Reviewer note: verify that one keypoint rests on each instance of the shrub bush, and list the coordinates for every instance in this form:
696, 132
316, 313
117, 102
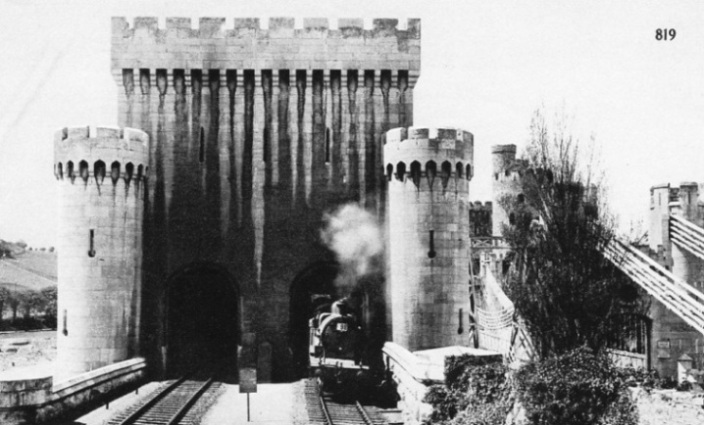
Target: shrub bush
576, 388
476, 391
684, 386
648, 379
668, 383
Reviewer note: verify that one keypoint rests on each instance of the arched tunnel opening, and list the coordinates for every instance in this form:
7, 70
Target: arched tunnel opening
318, 284
202, 329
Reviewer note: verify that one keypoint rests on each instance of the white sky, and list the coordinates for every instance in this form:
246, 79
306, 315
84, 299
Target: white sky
486, 66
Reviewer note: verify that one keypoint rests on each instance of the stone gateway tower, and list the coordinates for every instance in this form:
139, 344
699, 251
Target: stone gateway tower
101, 174
256, 133
428, 172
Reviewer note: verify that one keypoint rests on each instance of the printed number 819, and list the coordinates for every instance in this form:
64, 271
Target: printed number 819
665, 34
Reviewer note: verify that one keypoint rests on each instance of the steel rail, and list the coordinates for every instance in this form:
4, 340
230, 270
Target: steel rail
181, 412
139, 412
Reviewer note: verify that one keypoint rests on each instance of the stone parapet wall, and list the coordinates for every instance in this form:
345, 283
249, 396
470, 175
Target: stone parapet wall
39, 400
412, 382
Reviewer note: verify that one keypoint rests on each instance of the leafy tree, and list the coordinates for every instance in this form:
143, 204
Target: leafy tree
49, 295
5, 249
14, 300
4, 296
565, 291
33, 301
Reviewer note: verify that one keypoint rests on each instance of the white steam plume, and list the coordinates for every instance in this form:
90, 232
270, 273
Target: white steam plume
356, 238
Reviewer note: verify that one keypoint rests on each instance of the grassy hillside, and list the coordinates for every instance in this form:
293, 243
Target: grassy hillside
29, 269
41, 263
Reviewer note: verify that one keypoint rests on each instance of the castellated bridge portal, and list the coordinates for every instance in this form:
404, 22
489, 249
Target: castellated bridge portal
254, 134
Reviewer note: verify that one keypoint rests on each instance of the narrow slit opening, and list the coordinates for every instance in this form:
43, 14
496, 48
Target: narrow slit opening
431, 251
460, 328
91, 251
201, 147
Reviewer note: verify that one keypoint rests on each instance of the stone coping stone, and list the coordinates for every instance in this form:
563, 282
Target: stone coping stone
428, 366
434, 359
43, 370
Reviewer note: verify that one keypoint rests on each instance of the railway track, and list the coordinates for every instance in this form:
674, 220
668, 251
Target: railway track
323, 410
171, 404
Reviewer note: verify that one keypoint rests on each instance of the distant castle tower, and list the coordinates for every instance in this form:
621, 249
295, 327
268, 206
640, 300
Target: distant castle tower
428, 235
505, 184
101, 175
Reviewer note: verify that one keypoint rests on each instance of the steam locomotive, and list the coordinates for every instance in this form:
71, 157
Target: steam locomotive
336, 349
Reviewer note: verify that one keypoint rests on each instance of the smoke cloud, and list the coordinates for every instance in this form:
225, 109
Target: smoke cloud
357, 240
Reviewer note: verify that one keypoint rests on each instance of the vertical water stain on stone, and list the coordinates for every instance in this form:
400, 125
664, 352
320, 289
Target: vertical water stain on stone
235, 189
336, 130
300, 142
284, 136
212, 168
128, 84
353, 149
319, 170
267, 137
370, 149
247, 154
402, 87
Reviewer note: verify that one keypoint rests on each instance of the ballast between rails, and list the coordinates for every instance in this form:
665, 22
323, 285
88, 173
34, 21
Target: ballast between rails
159, 409
322, 409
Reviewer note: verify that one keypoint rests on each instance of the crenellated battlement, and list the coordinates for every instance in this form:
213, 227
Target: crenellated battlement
675, 191
246, 45
92, 132
207, 27
479, 206
96, 152
425, 144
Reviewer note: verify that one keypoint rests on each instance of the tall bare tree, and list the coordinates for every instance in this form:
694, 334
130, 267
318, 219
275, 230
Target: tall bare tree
564, 289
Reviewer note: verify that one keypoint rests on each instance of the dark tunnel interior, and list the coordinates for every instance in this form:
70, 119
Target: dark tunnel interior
203, 322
